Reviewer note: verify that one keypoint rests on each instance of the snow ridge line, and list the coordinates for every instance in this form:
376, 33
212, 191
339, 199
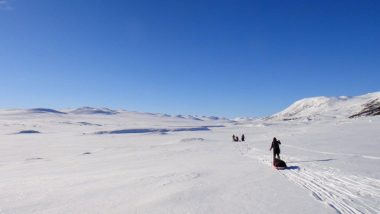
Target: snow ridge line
345, 194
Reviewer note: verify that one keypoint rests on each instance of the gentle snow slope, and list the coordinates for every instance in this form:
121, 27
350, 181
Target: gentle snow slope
68, 168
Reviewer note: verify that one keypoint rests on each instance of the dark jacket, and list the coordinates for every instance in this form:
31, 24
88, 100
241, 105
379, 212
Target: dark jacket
275, 146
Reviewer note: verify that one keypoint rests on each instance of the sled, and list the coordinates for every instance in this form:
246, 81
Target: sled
279, 164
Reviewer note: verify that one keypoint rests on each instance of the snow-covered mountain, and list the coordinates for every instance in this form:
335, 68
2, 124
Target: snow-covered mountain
104, 112
317, 108
91, 110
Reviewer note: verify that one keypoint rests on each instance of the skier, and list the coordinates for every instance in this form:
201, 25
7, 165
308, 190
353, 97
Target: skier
233, 138
276, 148
243, 138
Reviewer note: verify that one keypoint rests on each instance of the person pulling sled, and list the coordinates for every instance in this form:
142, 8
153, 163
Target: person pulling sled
277, 162
276, 148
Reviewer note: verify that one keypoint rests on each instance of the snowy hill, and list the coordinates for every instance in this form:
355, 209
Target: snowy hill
91, 110
318, 108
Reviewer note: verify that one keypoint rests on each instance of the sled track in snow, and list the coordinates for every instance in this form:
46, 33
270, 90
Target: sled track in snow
346, 194
334, 153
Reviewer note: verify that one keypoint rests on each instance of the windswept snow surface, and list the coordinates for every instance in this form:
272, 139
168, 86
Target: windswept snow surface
334, 165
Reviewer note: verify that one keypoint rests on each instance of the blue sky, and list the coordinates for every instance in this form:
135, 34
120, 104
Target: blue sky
227, 58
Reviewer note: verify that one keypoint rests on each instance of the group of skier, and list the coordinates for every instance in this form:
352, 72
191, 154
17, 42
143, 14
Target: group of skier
235, 138
275, 146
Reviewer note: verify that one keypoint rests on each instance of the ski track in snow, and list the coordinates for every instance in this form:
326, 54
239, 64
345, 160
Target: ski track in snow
346, 194
333, 153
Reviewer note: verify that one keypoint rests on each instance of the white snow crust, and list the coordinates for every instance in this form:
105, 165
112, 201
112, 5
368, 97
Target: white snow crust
61, 164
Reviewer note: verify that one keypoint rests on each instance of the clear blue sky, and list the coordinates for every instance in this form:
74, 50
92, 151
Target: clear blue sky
226, 58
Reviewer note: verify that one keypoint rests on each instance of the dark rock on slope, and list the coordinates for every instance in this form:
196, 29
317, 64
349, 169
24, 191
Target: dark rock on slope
45, 110
372, 108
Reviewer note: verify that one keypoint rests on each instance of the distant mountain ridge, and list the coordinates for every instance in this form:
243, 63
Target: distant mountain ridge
314, 108
45, 110
105, 112
91, 110
331, 107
